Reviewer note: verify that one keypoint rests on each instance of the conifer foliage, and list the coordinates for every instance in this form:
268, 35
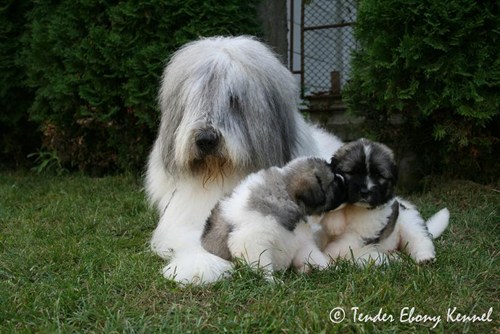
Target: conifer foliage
93, 68
434, 66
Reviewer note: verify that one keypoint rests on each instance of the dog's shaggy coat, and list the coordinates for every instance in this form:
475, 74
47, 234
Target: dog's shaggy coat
228, 108
375, 222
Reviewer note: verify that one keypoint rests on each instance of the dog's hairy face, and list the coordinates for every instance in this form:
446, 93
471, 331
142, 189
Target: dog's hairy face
227, 104
369, 170
313, 185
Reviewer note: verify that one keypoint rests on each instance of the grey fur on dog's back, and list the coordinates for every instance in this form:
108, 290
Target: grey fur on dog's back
215, 234
291, 193
269, 197
275, 200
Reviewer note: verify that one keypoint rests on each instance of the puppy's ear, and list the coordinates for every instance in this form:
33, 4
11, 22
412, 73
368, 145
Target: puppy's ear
311, 194
312, 200
334, 163
339, 191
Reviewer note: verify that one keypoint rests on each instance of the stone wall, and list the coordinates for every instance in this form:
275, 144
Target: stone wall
329, 112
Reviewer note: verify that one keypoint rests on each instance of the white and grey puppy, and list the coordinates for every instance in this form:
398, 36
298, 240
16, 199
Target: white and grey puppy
228, 108
264, 220
375, 222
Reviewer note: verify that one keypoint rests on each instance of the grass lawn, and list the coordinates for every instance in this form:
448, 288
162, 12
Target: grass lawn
74, 257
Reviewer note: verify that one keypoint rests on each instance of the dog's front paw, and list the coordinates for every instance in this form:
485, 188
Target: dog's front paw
170, 272
185, 277
303, 263
336, 250
307, 267
196, 268
273, 279
426, 260
424, 257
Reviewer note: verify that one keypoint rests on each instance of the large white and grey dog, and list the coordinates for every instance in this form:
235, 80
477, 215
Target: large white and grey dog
375, 222
228, 108
264, 220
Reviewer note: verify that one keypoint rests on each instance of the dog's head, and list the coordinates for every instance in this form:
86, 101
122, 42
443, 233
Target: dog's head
314, 186
227, 104
369, 170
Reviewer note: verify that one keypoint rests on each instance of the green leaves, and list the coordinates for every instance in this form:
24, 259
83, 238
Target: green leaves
94, 68
437, 63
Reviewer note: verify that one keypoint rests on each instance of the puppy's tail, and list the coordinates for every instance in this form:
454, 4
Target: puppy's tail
438, 222
196, 267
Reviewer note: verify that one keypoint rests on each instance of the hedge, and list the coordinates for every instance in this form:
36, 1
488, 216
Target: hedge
93, 69
18, 136
426, 76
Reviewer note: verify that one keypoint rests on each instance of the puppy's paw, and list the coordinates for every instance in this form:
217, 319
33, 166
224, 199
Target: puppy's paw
335, 251
428, 260
368, 260
313, 260
306, 268
424, 257
274, 280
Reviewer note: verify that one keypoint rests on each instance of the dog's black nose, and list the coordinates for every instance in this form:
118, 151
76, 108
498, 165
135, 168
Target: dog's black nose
364, 192
207, 141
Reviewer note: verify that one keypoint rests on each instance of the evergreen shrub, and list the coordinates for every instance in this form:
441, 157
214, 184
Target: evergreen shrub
18, 136
426, 76
94, 69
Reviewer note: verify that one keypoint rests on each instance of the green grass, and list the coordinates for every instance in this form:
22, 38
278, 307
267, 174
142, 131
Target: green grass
74, 257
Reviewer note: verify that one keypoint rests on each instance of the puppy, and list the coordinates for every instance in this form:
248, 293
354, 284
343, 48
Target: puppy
264, 220
374, 222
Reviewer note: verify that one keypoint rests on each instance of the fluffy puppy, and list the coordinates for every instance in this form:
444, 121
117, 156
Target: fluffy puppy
375, 222
264, 220
221, 100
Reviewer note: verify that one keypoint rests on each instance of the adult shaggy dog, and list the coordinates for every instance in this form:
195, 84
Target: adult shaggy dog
228, 108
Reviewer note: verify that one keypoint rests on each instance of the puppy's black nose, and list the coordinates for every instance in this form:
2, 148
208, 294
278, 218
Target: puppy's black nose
364, 192
207, 141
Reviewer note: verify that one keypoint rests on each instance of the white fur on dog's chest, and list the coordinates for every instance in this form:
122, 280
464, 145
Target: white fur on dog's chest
184, 222
366, 223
